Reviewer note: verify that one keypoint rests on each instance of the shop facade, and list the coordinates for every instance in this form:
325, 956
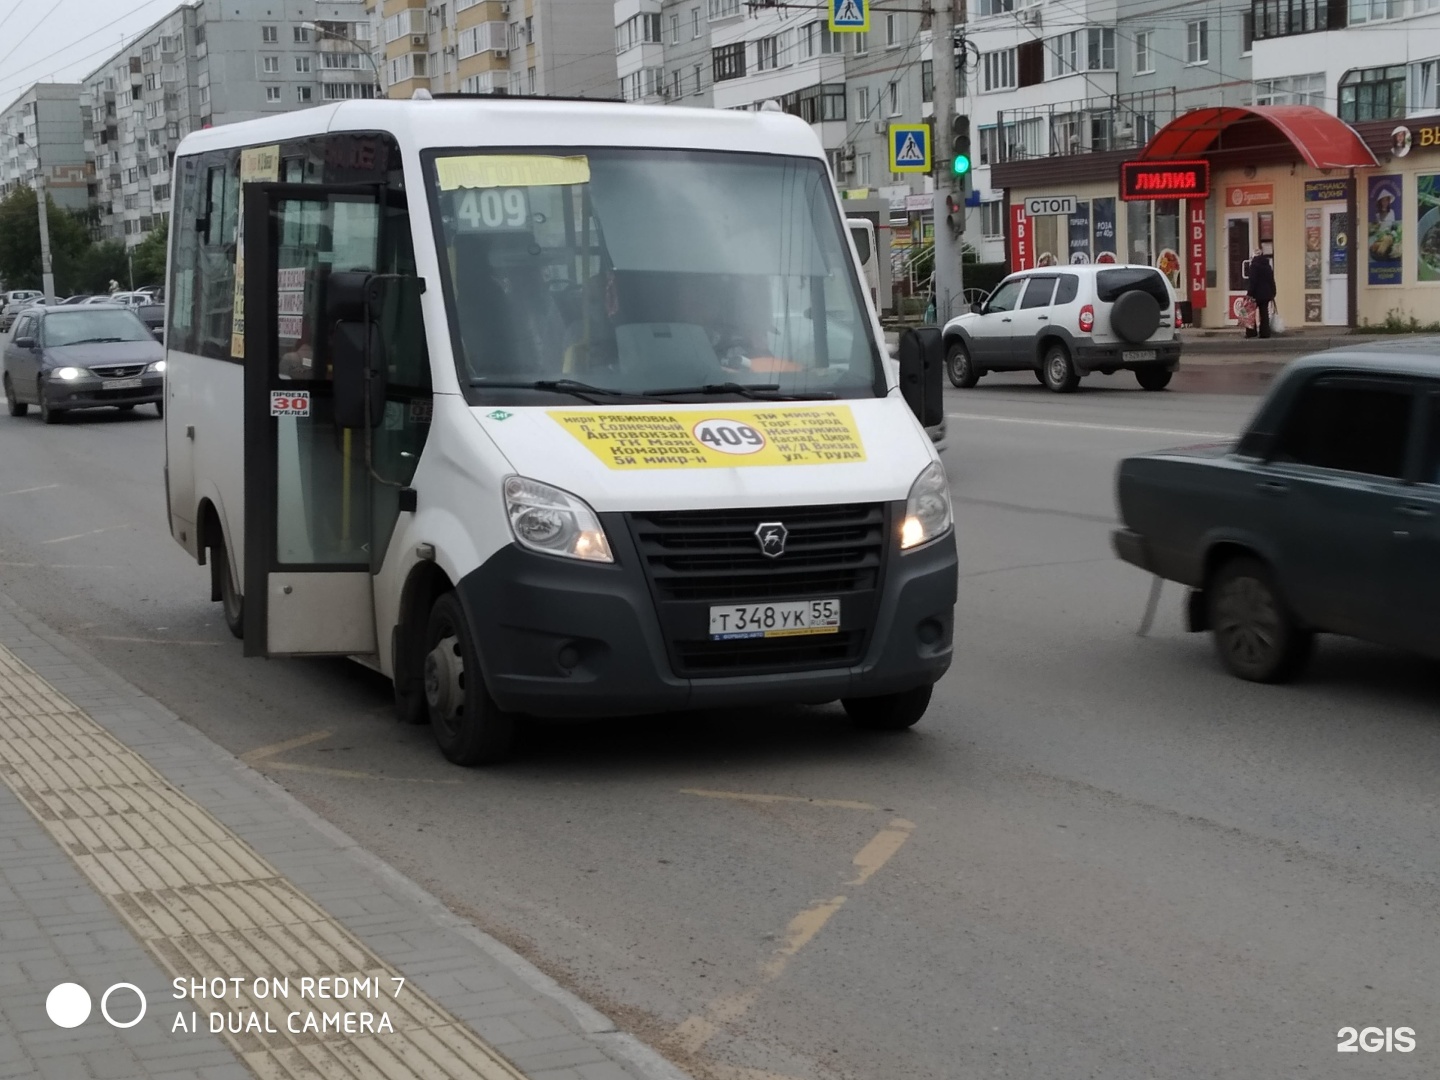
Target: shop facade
1349, 215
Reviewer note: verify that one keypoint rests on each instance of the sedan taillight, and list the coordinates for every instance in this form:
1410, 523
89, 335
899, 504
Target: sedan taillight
1087, 319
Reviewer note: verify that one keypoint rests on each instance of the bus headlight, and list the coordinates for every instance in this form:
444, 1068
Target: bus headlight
554, 522
928, 515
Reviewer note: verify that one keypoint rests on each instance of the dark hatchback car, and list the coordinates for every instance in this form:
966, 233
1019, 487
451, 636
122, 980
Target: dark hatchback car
82, 357
1323, 518
153, 316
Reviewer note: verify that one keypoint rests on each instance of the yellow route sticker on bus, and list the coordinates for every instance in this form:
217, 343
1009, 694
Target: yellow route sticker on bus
719, 438
511, 170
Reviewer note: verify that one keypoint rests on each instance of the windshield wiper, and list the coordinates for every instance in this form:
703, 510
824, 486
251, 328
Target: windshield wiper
581, 390
755, 391
97, 340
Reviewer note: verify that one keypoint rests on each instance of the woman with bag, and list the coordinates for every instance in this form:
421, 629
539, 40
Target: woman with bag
1262, 290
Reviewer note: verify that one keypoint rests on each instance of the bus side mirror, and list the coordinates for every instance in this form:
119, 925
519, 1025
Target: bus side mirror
922, 370
355, 348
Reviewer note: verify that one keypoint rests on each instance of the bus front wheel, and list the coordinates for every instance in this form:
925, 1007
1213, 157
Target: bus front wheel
469, 727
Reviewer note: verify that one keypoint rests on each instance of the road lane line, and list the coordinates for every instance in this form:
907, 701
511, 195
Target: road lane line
260, 753
879, 851
1081, 425
77, 536
758, 797
202, 901
27, 491
798, 934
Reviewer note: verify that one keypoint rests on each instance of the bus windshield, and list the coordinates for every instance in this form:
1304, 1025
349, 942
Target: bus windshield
634, 271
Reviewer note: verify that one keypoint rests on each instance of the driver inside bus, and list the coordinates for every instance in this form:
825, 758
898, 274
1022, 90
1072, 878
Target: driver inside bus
510, 325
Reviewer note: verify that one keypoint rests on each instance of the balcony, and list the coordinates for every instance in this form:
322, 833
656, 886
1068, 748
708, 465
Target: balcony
1086, 126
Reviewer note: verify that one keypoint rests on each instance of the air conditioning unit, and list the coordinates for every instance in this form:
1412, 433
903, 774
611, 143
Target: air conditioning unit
500, 54
1030, 17
417, 39
450, 50
844, 166
881, 127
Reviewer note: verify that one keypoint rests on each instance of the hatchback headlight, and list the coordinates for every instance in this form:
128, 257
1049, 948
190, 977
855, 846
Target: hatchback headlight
158, 366
928, 514
548, 520
70, 374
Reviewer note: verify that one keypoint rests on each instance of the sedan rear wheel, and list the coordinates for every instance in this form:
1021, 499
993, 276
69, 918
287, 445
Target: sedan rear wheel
1056, 370
17, 408
1256, 636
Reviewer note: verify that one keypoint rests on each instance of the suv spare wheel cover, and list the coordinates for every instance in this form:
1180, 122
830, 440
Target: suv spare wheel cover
1134, 316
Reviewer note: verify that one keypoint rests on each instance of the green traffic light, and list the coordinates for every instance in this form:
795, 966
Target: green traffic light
960, 165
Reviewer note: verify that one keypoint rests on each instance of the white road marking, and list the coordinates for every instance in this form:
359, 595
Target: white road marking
92, 532
27, 491
1094, 427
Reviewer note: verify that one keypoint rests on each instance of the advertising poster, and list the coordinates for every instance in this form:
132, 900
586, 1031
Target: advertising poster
259, 164
1080, 233
1427, 232
1312, 307
1385, 216
1339, 243
1105, 230
1313, 241
1020, 241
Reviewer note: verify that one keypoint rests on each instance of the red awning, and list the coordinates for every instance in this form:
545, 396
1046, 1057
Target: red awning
1322, 140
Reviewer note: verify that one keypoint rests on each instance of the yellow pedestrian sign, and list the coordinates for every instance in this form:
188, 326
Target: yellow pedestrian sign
910, 148
849, 16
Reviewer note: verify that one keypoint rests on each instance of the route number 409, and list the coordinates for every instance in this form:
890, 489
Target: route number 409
1374, 1039
493, 208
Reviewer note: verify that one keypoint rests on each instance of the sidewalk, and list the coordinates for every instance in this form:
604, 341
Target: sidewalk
139, 857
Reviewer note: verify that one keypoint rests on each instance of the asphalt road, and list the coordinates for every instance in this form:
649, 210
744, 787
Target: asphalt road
1098, 856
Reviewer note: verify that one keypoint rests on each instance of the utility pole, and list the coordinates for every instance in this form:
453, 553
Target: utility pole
47, 273
949, 282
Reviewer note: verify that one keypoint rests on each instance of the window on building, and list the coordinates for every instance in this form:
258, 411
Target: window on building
1424, 86
1197, 42
1144, 58
272, 93
699, 83
637, 30
1372, 93
723, 9
148, 54
302, 65
674, 29
1363, 11
816, 104
862, 102
332, 60
1100, 49
302, 34
1064, 55
998, 70
862, 43
160, 192
1247, 32
862, 170
530, 81
1295, 90
994, 7
530, 29
992, 219
891, 31
767, 56
151, 82
894, 94
927, 80
728, 61
1283, 18
304, 94
694, 23
346, 91
172, 131
269, 34
204, 95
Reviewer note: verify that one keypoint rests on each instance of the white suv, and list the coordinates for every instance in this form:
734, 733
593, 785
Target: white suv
1063, 322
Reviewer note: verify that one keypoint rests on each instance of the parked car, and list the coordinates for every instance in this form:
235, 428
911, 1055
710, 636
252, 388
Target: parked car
1323, 518
82, 357
1065, 322
153, 316
17, 297
79, 298
12, 310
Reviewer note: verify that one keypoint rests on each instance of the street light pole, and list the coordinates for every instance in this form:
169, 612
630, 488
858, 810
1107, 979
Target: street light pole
949, 282
316, 28
47, 272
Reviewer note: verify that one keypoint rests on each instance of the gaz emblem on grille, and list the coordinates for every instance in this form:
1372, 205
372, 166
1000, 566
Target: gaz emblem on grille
771, 535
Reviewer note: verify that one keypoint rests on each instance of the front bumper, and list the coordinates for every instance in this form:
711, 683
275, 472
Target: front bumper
1130, 546
533, 614
90, 392
1091, 357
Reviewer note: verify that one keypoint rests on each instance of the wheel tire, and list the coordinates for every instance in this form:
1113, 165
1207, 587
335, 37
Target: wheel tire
889, 712
469, 727
17, 408
159, 408
960, 367
231, 601
1153, 378
1056, 370
48, 414
1256, 636
1039, 376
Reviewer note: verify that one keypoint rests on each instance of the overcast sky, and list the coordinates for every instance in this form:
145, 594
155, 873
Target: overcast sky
65, 40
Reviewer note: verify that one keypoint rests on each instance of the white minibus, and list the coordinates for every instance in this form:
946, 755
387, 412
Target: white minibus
551, 408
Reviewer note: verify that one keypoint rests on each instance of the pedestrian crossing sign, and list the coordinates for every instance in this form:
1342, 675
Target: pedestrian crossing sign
910, 148
849, 16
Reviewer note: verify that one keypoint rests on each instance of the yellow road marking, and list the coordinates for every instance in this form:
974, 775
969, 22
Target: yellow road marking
150, 640
757, 797
263, 757
206, 904
798, 934
261, 753
878, 851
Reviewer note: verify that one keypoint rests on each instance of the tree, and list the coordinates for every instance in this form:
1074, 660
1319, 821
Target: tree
150, 256
101, 264
20, 242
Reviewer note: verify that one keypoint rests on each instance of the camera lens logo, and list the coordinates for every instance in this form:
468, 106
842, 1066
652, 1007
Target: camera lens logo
68, 1005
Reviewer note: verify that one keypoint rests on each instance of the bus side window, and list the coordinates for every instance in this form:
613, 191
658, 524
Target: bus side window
216, 285
184, 223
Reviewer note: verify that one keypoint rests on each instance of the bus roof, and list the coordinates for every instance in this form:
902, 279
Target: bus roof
523, 121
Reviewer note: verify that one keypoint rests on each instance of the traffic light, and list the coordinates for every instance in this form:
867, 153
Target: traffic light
960, 147
955, 213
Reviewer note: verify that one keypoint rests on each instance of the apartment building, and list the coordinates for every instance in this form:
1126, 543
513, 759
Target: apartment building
556, 48
204, 64
44, 129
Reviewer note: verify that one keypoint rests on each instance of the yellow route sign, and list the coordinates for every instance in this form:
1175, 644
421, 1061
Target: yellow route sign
717, 438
